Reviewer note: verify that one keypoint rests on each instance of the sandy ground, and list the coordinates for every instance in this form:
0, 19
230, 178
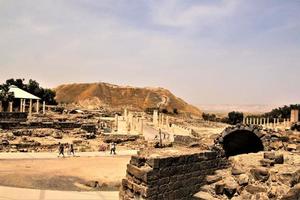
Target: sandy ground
64, 173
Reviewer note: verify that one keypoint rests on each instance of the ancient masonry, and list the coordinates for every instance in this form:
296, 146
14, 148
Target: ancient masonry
129, 123
169, 177
275, 123
162, 121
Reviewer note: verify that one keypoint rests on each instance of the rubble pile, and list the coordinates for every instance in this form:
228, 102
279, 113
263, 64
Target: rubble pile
267, 175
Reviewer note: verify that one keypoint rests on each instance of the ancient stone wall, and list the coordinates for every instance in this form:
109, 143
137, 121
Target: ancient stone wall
184, 140
13, 116
24, 125
120, 138
169, 177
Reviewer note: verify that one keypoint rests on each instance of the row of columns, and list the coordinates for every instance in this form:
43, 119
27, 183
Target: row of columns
23, 106
160, 120
129, 123
266, 122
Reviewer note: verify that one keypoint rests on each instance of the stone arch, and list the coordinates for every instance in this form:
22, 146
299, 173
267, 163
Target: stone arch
241, 139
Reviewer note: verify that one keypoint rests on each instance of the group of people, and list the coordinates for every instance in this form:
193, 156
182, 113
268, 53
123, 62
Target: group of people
71, 151
61, 149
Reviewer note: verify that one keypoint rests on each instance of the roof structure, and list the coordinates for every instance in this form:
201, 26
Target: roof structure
21, 94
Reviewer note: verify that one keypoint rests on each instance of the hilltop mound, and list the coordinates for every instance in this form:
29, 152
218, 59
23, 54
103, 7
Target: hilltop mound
96, 95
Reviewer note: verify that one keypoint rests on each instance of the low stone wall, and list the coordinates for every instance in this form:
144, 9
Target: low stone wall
117, 138
169, 177
24, 125
184, 140
13, 116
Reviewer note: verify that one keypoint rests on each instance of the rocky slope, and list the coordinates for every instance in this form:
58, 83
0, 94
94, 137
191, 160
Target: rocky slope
96, 95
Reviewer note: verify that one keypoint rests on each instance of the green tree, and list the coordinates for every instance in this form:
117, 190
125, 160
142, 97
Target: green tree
5, 96
34, 88
235, 117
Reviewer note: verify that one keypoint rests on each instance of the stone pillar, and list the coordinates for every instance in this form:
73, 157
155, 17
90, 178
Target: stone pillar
10, 106
116, 122
1, 109
21, 105
244, 120
261, 121
167, 123
44, 107
141, 126
251, 120
30, 107
125, 113
37, 106
155, 117
24, 105
162, 120
294, 115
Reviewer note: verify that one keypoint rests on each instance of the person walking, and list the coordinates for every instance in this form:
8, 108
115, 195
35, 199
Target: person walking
72, 151
113, 148
61, 149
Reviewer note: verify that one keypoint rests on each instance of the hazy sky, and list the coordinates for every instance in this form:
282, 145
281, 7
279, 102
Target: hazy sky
205, 51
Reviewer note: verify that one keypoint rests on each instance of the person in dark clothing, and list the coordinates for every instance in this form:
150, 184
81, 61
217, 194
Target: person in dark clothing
72, 149
61, 149
113, 148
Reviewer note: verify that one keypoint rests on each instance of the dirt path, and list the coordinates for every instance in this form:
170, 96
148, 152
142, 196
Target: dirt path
64, 173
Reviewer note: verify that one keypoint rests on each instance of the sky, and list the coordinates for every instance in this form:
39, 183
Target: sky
204, 51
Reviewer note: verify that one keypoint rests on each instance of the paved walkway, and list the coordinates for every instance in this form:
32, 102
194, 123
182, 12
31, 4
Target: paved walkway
10, 193
42, 155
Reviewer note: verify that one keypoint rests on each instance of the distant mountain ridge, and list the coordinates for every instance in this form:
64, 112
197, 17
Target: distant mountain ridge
95, 95
247, 108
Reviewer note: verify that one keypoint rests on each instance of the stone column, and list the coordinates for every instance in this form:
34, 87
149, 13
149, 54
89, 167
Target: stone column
167, 123
10, 106
24, 105
125, 113
44, 107
251, 120
141, 126
37, 106
116, 122
1, 109
30, 107
21, 105
261, 121
155, 118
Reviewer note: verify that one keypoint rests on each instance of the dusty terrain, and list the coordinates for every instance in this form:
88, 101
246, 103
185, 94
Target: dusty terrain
77, 173
97, 95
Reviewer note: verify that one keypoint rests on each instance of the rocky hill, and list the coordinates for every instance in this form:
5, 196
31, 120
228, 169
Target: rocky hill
97, 95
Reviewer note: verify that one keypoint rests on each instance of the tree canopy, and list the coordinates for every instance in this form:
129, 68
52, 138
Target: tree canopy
34, 88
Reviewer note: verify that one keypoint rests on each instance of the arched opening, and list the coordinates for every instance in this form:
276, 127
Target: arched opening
240, 142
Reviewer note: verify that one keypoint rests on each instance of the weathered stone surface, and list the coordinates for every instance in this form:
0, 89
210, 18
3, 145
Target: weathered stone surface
254, 189
243, 179
269, 155
203, 196
293, 194
279, 159
171, 177
219, 188
291, 147
260, 173
213, 178
237, 170
267, 162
